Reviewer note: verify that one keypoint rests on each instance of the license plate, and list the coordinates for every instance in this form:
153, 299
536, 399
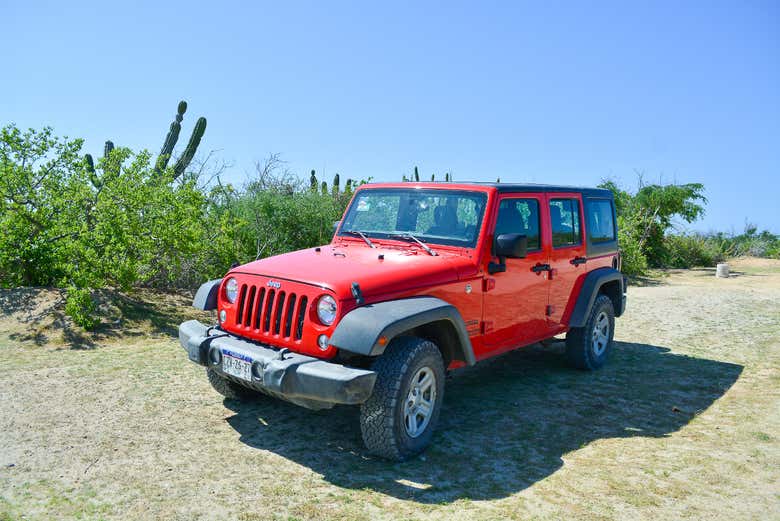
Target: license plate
237, 365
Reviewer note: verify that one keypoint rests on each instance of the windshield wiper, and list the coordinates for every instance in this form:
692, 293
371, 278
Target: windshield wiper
360, 234
410, 237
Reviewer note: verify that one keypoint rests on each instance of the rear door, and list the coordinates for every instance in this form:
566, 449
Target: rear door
515, 300
567, 252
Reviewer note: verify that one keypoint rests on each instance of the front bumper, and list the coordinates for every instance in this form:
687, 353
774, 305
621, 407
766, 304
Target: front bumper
300, 379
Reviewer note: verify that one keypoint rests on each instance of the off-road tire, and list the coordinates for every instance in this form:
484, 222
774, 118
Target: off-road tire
228, 389
382, 415
580, 349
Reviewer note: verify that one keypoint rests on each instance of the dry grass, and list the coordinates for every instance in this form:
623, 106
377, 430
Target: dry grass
683, 423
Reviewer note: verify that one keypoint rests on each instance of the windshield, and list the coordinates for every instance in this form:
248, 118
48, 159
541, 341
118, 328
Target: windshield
451, 217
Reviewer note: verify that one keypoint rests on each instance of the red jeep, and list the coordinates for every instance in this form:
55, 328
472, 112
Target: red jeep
419, 278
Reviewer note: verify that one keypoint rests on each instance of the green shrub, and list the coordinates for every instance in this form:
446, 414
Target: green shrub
81, 308
633, 259
687, 251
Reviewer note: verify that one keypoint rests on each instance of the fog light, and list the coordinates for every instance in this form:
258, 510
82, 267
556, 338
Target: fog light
222, 316
322, 342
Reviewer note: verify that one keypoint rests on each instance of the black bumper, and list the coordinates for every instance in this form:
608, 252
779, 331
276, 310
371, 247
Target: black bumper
300, 379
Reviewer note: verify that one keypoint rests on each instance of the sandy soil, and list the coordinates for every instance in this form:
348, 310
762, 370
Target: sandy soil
683, 423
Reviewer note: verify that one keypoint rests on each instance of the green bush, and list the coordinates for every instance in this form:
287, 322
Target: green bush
81, 308
687, 251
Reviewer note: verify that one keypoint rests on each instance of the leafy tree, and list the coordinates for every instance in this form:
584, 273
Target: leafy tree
645, 217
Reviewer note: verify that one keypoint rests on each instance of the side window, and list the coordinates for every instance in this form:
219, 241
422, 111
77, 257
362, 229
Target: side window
519, 216
565, 222
601, 223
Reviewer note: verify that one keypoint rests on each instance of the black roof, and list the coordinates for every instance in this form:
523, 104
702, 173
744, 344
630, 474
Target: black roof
533, 187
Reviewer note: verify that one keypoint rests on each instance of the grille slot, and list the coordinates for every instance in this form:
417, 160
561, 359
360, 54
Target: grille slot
259, 307
269, 303
278, 308
241, 298
249, 305
288, 315
300, 317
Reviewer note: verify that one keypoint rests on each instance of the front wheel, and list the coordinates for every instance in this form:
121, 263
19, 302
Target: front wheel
588, 347
399, 418
229, 389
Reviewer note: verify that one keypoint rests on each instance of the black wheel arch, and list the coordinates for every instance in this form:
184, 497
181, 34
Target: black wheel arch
607, 281
431, 318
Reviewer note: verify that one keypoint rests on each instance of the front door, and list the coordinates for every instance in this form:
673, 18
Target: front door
515, 301
567, 252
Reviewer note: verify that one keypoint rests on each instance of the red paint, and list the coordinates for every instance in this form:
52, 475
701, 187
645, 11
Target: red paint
502, 311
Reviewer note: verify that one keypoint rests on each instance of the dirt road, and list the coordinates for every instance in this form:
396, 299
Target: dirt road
683, 423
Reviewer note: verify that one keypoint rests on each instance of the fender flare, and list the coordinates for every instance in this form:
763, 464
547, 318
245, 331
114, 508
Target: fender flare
590, 288
206, 297
360, 329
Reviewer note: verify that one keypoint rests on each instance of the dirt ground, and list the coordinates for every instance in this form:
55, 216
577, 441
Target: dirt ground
683, 423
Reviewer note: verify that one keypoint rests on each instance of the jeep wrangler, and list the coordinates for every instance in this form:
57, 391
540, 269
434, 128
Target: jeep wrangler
419, 279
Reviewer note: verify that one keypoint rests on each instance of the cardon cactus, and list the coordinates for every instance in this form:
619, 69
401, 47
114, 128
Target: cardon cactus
335, 186
171, 138
324, 188
313, 181
416, 175
192, 147
90, 166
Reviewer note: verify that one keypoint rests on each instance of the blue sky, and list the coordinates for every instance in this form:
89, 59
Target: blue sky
558, 92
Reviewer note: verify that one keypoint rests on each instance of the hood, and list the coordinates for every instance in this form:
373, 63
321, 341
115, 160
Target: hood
337, 266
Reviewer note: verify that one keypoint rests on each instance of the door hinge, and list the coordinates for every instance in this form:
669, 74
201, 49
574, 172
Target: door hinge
486, 326
488, 284
549, 310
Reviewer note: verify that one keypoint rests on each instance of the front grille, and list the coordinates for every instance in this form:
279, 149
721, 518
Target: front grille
271, 312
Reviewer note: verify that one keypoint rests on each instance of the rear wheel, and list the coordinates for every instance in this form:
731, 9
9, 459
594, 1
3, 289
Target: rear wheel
229, 389
588, 347
399, 418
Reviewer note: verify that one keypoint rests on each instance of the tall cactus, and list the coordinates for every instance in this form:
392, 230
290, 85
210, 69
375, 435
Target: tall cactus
313, 181
94, 178
192, 147
335, 186
90, 165
324, 188
447, 177
416, 175
348, 187
173, 137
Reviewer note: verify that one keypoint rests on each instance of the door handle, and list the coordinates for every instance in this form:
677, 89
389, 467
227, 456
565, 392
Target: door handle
540, 268
578, 260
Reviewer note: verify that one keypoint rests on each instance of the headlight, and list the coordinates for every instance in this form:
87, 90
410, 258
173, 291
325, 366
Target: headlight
326, 310
231, 290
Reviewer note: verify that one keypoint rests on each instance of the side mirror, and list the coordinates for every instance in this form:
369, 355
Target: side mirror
336, 226
512, 245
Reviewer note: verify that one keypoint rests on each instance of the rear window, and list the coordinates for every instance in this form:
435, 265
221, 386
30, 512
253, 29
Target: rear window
601, 221
565, 222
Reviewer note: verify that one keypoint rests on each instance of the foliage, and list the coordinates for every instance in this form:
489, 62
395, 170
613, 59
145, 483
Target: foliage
81, 308
69, 222
645, 217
